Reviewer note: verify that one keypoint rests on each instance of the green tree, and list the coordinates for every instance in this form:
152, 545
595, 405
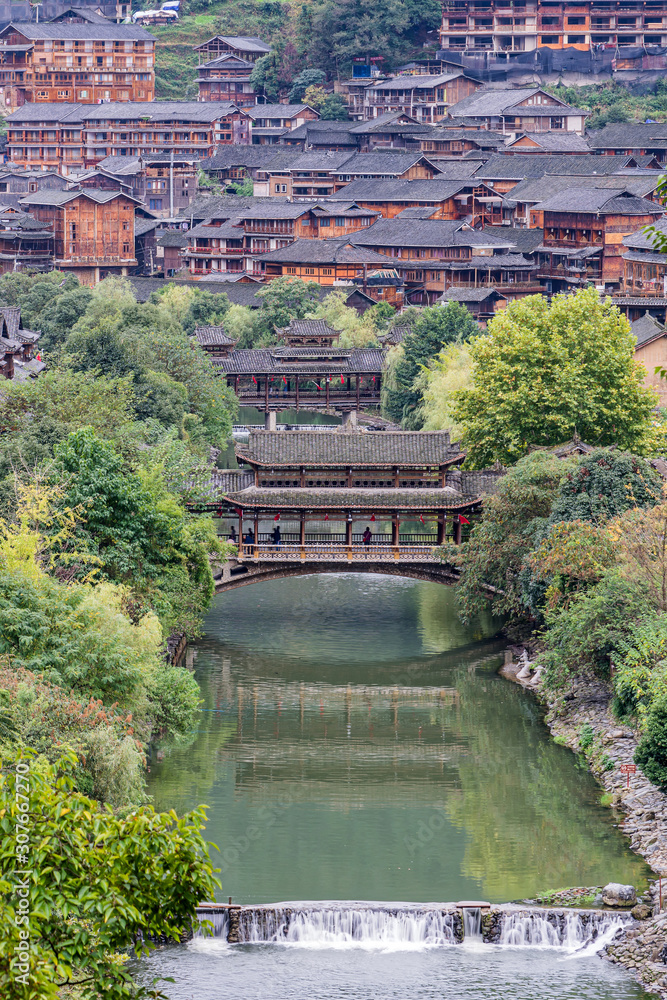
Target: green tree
100, 884
546, 371
512, 519
307, 78
334, 109
651, 753
606, 484
282, 300
432, 329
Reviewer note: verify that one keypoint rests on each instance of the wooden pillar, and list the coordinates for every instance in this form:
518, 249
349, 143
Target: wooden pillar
397, 474
349, 478
349, 384
240, 531
441, 528
357, 391
348, 531
256, 529
266, 392
442, 475
236, 385
394, 529
302, 530
456, 530
302, 476
326, 382
296, 379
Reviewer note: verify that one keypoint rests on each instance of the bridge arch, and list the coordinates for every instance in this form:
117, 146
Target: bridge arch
236, 574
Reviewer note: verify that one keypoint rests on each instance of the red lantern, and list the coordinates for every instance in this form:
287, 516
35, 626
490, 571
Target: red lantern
277, 517
372, 517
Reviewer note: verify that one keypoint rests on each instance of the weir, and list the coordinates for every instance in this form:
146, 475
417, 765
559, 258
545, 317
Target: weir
385, 925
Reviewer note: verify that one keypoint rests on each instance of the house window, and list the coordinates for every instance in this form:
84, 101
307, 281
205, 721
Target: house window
310, 270
63, 94
43, 94
126, 248
340, 221
327, 270
325, 222
155, 204
291, 270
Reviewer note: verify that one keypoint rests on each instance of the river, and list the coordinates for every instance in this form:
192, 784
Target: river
357, 743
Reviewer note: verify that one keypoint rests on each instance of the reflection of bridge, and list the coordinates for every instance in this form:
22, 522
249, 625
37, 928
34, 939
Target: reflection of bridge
256, 563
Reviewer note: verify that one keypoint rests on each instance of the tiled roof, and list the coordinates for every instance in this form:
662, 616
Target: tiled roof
56, 112
278, 110
643, 239
213, 336
557, 141
230, 480
385, 162
396, 335
227, 60
261, 157
470, 294
159, 111
107, 31
524, 240
281, 210
325, 161
646, 328
426, 232
308, 328
503, 167
488, 101
228, 230
594, 201
430, 191
408, 82
245, 43
303, 251
367, 500
378, 449
268, 361
172, 238
64, 197
629, 135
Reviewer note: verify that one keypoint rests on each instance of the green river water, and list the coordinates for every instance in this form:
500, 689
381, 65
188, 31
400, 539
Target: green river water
357, 743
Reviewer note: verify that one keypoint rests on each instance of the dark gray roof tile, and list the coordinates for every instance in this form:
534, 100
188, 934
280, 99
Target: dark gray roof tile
379, 449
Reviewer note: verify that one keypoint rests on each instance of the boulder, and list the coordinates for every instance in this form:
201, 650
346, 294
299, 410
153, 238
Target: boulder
615, 894
641, 911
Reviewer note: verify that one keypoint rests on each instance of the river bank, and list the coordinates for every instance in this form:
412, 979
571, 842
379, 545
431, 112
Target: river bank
643, 947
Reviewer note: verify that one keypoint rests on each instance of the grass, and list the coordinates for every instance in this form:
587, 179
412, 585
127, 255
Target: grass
176, 62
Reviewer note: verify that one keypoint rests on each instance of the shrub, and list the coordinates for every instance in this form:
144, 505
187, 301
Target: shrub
586, 736
651, 753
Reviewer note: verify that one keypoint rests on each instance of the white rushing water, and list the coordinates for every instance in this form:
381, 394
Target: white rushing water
363, 927
396, 928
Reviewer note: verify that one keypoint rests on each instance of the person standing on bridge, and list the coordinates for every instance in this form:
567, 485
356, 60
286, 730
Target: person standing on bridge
276, 536
232, 534
366, 537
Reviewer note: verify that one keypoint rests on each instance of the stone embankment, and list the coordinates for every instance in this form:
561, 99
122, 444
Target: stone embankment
581, 719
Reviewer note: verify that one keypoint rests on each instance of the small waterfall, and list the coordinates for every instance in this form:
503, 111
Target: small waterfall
368, 927
472, 923
571, 930
220, 921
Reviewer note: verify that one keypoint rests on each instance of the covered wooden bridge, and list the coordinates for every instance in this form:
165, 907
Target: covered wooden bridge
313, 378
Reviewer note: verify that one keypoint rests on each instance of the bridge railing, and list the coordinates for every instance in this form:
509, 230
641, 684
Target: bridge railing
326, 552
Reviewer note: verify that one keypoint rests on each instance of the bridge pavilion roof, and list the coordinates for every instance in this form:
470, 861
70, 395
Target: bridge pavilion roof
303, 361
375, 449
363, 501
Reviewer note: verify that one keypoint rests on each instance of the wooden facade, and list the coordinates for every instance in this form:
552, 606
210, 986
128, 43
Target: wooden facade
75, 63
71, 138
93, 232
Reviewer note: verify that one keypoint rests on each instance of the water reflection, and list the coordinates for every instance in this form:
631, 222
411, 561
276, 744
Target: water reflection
357, 743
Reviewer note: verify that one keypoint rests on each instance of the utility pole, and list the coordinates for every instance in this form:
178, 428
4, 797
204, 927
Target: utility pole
171, 184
